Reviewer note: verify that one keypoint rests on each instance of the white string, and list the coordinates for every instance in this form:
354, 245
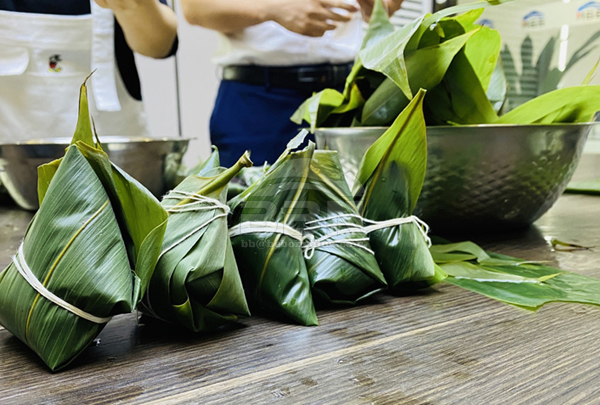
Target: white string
313, 243
249, 227
198, 203
197, 229
376, 225
23, 269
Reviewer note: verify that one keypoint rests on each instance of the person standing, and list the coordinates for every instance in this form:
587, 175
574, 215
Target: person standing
49, 47
274, 54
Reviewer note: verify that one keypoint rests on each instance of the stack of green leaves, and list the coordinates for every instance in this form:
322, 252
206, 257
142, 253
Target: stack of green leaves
266, 225
196, 282
341, 266
525, 284
453, 58
388, 185
88, 254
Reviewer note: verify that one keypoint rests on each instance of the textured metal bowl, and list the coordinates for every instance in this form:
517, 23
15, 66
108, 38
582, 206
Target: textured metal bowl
481, 177
153, 162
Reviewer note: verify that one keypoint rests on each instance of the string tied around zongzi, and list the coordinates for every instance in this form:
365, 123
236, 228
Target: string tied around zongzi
373, 226
250, 227
25, 271
194, 202
341, 227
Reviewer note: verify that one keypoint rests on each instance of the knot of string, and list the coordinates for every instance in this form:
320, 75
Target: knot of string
25, 271
194, 202
421, 225
311, 243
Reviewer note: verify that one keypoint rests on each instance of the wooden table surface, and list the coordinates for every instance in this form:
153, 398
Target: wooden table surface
444, 346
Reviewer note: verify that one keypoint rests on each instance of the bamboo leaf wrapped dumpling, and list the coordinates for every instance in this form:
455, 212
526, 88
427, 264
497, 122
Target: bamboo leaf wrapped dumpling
196, 282
267, 242
341, 266
388, 185
87, 255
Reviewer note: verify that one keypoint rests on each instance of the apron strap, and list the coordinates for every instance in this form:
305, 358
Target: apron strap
104, 84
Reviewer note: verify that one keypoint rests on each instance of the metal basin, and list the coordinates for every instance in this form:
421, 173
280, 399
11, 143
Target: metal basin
485, 177
153, 162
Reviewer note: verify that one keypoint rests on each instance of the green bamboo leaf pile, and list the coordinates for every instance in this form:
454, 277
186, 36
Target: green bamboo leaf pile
513, 281
87, 255
341, 266
388, 185
457, 61
268, 248
196, 282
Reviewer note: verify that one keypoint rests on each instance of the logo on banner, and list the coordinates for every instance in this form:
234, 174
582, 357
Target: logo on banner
486, 23
534, 19
53, 62
589, 11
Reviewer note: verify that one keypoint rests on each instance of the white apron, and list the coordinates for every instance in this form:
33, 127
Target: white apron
44, 59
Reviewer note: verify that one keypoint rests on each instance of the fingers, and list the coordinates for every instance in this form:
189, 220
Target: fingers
339, 4
318, 29
392, 5
327, 14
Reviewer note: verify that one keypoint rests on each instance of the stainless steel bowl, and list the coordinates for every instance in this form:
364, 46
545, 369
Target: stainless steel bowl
481, 177
153, 162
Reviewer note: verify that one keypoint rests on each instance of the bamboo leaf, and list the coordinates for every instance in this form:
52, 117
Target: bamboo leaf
387, 102
342, 272
387, 56
482, 50
591, 187
272, 264
93, 244
379, 25
196, 282
388, 185
460, 98
572, 104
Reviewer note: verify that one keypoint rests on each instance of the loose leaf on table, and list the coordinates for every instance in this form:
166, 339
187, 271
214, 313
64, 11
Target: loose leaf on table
591, 187
196, 282
267, 243
568, 105
388, 185
341, 266
88, 253
524, 284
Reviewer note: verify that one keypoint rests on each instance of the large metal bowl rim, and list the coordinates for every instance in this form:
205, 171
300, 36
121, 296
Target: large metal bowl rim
106, 139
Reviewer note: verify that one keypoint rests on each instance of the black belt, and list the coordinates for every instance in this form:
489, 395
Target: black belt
305, 78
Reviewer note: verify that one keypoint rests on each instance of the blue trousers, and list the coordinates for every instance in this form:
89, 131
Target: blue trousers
255, 118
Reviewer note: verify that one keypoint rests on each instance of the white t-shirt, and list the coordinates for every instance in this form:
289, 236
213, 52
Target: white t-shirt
270, 44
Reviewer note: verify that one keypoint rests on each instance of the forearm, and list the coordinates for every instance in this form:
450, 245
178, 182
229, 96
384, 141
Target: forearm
226, 16
149, 29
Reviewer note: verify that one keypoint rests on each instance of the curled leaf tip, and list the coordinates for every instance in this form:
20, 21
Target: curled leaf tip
245, 160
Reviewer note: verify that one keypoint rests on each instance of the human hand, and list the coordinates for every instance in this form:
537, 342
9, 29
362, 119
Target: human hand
366, 7
310, 17
119, 5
